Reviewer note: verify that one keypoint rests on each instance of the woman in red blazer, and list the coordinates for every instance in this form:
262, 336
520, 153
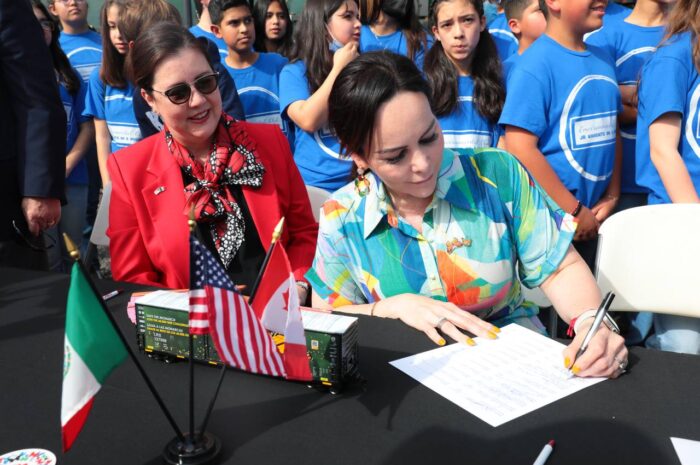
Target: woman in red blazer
240, 177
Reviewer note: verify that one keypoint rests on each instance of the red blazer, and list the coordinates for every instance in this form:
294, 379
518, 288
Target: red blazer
147, 222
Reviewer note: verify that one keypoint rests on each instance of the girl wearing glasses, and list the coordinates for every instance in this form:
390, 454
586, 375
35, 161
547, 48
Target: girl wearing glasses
237, 178
79, 136
326, 40
109, 94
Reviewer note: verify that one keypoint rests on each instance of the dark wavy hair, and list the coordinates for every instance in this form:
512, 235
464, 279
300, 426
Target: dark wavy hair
284, 45
416, 37
157, 43
66, 74
363, 86
112, 69
311, 40
442, 75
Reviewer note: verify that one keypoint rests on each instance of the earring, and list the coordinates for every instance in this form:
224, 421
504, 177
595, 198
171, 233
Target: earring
361, 183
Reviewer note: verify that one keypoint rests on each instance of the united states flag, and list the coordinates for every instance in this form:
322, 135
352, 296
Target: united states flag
238, 335
199, 316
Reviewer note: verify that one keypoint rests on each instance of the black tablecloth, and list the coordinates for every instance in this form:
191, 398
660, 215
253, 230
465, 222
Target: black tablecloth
392, 419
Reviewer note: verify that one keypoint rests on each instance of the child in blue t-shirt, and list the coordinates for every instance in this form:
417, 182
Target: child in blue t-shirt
668, 143
323, 48
464, 74
256, 74
82, 45
79, 135
203, 27
630, 42
527, 23
505, 40
110, 94
393, 25
560, 118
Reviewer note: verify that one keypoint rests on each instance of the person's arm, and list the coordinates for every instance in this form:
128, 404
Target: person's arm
629, 104
572, 291
605, 206
130, 258
32, 101
85, 137
311, 114
523, 145
664, 137
423, 314
103, 140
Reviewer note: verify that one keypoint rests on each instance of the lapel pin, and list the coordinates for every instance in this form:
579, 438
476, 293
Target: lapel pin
456, 243
159, 190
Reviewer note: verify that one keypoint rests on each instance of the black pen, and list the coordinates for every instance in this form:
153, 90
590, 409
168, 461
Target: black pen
597, 321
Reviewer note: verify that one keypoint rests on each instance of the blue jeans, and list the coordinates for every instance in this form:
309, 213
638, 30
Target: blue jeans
675, 334
72, 223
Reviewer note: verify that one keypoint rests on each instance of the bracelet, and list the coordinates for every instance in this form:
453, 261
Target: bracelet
577, 209
371, 309
304, 285
575, 324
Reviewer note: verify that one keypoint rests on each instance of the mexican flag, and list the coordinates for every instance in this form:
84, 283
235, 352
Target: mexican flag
92, 350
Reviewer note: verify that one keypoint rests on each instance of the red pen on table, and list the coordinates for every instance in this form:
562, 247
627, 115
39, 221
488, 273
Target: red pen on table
544, 455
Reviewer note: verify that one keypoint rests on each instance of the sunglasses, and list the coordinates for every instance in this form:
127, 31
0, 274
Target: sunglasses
182, 92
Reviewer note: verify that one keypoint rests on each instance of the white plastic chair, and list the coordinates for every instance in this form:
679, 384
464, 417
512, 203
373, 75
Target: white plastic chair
316, 197
649, 256
99, 229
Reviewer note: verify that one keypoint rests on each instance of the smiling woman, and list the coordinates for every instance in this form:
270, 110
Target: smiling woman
237, 178
435, 237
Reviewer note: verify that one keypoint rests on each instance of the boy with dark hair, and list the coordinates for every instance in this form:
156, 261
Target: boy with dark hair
256, 74
203, 27
560, 117
527, 22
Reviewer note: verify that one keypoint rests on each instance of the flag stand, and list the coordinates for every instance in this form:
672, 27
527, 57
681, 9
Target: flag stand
73, 251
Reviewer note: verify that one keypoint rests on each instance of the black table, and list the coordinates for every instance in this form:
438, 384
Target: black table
392, 419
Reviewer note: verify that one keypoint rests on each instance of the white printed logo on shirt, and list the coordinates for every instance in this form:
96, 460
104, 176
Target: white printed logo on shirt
589, 130
326, 136
693, 122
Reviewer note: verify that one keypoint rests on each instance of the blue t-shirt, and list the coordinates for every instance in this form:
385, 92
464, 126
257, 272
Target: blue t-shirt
669, 84
258, 88
508, 66
394, 42
465, 127
629, 46
220, 44
115, 107
570, 101
316, 154
84, 51
74, 106
506, 42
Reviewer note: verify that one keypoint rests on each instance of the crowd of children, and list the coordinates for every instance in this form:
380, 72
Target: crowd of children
598, 101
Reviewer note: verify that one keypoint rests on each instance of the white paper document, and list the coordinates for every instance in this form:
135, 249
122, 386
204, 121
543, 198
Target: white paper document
688, 451
497, 380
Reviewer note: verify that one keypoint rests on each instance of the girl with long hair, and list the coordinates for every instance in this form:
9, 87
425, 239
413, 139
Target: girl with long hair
668, 143
393, 25
273, 27
464, 74
109, 94
79, 135
327, 38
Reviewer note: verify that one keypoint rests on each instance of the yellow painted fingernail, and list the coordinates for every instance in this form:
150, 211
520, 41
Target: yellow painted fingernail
567, 362
496, 329
470, 341
492, 335
441, 342
575, 370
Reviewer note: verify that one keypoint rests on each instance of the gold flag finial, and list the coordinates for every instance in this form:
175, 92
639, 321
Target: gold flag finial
70, 246
190, 221
277, 233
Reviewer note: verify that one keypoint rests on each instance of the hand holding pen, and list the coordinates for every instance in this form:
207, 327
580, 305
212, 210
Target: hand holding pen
596, 350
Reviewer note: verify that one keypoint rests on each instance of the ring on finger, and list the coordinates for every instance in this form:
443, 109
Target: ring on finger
441, 322
621, 364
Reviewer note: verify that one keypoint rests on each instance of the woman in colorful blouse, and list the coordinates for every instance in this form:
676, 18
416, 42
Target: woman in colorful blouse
438, 238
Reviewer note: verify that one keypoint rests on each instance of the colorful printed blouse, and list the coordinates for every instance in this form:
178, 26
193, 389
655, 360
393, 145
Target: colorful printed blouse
486, 217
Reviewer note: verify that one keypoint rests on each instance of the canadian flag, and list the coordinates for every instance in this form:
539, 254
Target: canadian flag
276, 304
